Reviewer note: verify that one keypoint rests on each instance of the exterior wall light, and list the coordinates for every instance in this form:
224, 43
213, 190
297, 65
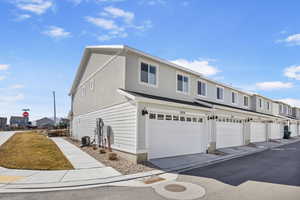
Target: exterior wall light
144, 112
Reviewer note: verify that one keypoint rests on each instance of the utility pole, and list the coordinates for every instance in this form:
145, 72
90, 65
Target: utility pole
54, 107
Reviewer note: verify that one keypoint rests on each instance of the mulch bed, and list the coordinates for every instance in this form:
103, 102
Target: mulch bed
122, 165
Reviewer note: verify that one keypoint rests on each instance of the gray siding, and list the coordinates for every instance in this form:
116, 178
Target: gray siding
106, 82
167, 83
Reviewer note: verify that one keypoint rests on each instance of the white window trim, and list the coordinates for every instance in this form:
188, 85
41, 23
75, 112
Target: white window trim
189, 83
217, 93
157, 71
244, 101
200, 95
237, 97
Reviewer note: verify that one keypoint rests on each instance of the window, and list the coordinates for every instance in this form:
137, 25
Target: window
188, 119
260, 103
182, 83
168, 117
268, 105
246, 101
152, 116
160, 117
175, 118
182, 119
201, 88
234, 97
148, 74
220, 93
92, 84
194, 119
280, 108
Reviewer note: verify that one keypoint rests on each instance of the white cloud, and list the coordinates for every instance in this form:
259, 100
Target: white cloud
56, 32
35, 6
153, 2
2, 78
292, 72
202, 66
17, 86
292, 39
11, 98
117, 12
4, 67
23, 17
273, 85
291, 101
103, 23
111, 25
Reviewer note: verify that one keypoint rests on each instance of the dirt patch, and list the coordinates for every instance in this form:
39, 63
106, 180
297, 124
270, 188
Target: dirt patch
31, 150
121, 164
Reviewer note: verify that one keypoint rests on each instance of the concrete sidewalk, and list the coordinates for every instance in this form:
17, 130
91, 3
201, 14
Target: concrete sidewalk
37, 181
5, 135
78, 158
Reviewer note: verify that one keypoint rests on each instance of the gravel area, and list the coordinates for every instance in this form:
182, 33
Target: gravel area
122, 165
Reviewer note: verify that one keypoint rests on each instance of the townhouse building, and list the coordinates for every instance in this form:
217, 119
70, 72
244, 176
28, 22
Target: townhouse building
159, 109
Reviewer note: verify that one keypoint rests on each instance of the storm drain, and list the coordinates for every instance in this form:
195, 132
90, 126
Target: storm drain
175, 188
179, 190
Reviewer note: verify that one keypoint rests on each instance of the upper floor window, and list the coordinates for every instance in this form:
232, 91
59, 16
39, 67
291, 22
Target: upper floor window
260, 103
268, 105
182, 83
280, 108
220, 93
246, 101
201, 88
234, 97
148, 74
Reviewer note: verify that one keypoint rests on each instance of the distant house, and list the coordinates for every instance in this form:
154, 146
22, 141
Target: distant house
3, 123
45, 122
17, 121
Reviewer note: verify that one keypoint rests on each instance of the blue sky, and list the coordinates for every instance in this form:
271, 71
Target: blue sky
253, 45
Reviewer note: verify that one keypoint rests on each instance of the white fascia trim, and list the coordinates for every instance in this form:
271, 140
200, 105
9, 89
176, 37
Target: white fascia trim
172, 104
126, 94
244, 112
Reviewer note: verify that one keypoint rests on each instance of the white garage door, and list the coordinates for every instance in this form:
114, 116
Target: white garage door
173, 135
257, 132
276, 131
229, 134
293, 129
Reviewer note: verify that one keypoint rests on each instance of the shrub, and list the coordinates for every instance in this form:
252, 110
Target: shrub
102, 151
112, 156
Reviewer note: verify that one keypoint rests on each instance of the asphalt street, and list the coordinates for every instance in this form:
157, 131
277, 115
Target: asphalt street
272, 174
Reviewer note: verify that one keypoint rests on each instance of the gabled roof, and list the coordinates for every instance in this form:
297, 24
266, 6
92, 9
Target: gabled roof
123, 48
191, 103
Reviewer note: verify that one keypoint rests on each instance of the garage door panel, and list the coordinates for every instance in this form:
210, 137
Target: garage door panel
293, 129
276, 131
258, 132
229, 134
168, 138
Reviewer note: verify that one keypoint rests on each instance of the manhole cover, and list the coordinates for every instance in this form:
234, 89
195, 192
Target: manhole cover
175, 188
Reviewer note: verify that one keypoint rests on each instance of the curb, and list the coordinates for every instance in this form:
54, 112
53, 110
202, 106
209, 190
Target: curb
19, 188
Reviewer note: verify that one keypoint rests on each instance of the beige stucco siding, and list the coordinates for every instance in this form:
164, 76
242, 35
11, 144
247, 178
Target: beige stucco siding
106, 82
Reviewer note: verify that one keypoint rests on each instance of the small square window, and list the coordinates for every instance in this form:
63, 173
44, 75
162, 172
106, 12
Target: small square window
168, 117
152, 116
175, 118
200, 120
182, 119
194, 119
188, 119
160, 117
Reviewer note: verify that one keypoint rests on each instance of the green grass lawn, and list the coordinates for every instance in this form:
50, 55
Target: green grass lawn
31, 150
